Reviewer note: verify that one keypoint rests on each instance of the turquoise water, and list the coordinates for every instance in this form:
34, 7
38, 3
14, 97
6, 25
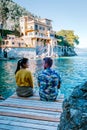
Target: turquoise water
73, 71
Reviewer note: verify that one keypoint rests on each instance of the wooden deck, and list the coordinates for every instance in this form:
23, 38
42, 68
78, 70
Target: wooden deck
29, 113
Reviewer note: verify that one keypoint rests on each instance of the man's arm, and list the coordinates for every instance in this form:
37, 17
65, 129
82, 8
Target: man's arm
38, 84
31, 79
59, 85
38, 81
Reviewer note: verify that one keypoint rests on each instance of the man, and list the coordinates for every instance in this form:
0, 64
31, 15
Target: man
48, 81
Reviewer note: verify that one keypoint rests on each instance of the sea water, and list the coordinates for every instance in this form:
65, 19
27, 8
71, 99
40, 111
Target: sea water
73, 72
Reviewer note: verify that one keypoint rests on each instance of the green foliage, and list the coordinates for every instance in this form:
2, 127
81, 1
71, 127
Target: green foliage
5, 32
16, 32
10, 11
67, 38
3, 13
0, 40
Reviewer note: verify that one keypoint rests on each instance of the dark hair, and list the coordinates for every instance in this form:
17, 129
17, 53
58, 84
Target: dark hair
49, 61
21, 64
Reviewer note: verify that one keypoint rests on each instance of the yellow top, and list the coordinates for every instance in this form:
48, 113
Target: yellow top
24, 78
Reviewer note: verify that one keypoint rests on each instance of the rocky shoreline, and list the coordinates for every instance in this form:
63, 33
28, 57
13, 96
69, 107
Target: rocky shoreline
32, 53
74, 116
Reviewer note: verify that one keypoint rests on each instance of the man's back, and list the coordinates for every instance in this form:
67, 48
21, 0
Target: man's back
48, 80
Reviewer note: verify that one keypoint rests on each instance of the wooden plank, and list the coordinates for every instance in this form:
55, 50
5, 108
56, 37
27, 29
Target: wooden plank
9, 127
35, 103
29, 116
60, 99
29, 111
48, 123
30, 100
54, 104
28, 125
31, 107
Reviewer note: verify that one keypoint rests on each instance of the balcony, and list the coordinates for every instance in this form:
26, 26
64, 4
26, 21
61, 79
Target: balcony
31, 29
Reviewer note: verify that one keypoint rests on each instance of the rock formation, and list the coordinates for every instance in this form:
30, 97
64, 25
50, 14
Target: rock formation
74, 116
10, 12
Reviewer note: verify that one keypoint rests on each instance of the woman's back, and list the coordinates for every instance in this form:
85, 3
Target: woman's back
24, 78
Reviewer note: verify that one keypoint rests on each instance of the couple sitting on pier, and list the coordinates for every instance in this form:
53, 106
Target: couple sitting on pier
48, 80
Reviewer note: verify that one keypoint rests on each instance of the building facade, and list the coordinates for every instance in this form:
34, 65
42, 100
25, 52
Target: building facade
37, 38
37, 32
12, 41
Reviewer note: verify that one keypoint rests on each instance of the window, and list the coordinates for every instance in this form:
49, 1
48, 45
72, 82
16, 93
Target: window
31, 27
35, 33
48, 22
41, 34
52, 35
19, 44
7, 42
13, 43
3, 42
49, 29
36, 27
41, 28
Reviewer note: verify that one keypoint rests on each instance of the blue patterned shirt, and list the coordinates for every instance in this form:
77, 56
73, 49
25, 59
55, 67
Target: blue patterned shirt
48, 80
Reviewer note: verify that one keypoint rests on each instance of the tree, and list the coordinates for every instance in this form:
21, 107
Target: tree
3, 11
0, 40
67, 38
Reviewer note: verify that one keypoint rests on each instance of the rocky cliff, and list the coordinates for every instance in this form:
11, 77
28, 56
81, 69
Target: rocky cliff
74, 116
10, 12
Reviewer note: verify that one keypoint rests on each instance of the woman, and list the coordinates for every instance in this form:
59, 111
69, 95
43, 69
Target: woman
24, 79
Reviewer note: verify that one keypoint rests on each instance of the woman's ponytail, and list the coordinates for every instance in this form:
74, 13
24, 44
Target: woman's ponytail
18, 66
21, 64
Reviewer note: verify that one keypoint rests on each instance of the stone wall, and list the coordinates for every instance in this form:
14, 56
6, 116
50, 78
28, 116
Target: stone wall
1, 53
18, 52
35, 52
74, 116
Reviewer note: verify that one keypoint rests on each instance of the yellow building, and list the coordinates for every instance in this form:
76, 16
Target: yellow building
36, 32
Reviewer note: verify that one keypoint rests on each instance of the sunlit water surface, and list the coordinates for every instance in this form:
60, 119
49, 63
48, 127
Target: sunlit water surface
73, 71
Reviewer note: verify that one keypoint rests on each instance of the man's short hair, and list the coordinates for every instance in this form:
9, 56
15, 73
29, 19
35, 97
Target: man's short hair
49, 61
